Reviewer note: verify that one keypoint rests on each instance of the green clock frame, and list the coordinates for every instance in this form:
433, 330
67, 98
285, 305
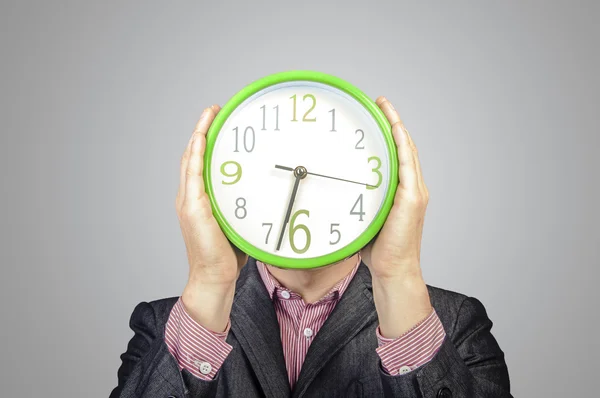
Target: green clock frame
378, 221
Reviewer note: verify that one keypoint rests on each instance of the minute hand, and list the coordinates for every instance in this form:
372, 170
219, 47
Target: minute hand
288, 211
324, 176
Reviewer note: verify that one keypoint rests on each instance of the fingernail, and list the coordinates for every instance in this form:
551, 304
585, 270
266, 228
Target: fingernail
400, 131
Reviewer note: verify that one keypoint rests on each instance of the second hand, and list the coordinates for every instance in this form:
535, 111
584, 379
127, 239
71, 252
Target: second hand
324, 176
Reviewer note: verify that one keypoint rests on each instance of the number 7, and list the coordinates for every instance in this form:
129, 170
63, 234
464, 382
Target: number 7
270, 224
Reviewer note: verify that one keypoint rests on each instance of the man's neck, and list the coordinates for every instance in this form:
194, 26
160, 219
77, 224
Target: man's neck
313, 284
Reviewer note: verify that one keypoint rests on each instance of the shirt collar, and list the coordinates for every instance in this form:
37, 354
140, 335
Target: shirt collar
273, 286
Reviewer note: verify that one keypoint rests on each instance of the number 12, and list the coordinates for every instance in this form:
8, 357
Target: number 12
305, 117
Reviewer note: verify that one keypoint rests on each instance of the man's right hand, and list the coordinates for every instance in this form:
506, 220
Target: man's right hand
214, 263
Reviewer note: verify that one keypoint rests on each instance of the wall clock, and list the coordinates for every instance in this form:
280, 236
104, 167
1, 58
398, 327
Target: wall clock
301, 169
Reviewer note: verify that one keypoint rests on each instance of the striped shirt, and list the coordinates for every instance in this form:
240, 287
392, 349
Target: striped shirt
202, 352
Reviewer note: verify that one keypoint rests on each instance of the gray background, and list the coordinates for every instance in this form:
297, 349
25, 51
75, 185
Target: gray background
99, 100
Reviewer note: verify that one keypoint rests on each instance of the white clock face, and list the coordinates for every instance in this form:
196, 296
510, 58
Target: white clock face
341, 161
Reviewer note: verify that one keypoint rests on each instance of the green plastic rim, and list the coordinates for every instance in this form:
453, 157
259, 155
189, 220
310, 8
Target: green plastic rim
378, 221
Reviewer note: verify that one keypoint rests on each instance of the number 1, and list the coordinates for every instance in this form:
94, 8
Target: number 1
332, 119
276, 107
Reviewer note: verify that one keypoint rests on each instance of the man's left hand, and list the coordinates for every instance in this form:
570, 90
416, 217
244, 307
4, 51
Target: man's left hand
400, 294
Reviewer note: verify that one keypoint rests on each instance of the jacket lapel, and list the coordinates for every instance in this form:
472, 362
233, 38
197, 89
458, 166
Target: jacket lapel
254, 324
352, 313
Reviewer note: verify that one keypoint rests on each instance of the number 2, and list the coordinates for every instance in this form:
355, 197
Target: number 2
362, 137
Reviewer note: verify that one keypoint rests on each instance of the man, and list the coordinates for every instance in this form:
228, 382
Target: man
367, 326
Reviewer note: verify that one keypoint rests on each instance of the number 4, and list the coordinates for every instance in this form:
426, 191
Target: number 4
360, 212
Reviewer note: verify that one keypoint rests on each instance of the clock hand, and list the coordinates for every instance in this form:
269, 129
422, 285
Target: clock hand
321, 175
299, 173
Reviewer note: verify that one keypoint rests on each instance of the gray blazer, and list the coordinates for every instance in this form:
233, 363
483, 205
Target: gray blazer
341, 361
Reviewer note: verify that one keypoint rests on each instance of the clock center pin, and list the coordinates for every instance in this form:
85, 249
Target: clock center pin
300, 172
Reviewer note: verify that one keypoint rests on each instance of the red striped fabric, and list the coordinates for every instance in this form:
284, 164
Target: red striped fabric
414, 348
295, 316
192, 344
195, 346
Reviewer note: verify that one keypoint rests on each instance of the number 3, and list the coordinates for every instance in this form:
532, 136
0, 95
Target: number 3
376, 170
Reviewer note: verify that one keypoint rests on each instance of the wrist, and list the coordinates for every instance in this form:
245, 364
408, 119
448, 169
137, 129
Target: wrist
401, 304
209, 306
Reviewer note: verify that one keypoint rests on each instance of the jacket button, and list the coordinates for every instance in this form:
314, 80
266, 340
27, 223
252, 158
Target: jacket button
444, 393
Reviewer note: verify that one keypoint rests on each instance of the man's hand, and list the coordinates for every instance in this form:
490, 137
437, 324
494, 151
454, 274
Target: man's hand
400, 294
214, 263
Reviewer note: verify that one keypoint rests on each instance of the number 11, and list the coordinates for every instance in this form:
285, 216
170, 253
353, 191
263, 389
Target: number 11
264, 112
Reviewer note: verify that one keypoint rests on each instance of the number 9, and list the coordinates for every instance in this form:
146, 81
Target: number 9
236, 175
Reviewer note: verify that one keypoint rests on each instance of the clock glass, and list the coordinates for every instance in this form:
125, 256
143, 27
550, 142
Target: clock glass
301, 169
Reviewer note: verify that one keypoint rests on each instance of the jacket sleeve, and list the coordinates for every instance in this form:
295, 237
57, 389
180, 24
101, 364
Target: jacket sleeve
469, 363
147, 367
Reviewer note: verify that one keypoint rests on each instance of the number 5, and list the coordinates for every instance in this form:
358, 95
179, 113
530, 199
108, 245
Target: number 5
335, 231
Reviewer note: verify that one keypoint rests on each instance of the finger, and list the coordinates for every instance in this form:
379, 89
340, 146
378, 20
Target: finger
393, 117
182, 168
407, 172
184, 163
388, 110
200, 126
191, 173
420, 180
407, 168
199, 129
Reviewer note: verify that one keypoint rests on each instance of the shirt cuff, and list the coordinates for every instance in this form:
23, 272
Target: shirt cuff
196, 349
412, 349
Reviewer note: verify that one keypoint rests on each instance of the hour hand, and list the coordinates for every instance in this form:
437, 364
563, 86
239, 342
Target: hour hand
283, 168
